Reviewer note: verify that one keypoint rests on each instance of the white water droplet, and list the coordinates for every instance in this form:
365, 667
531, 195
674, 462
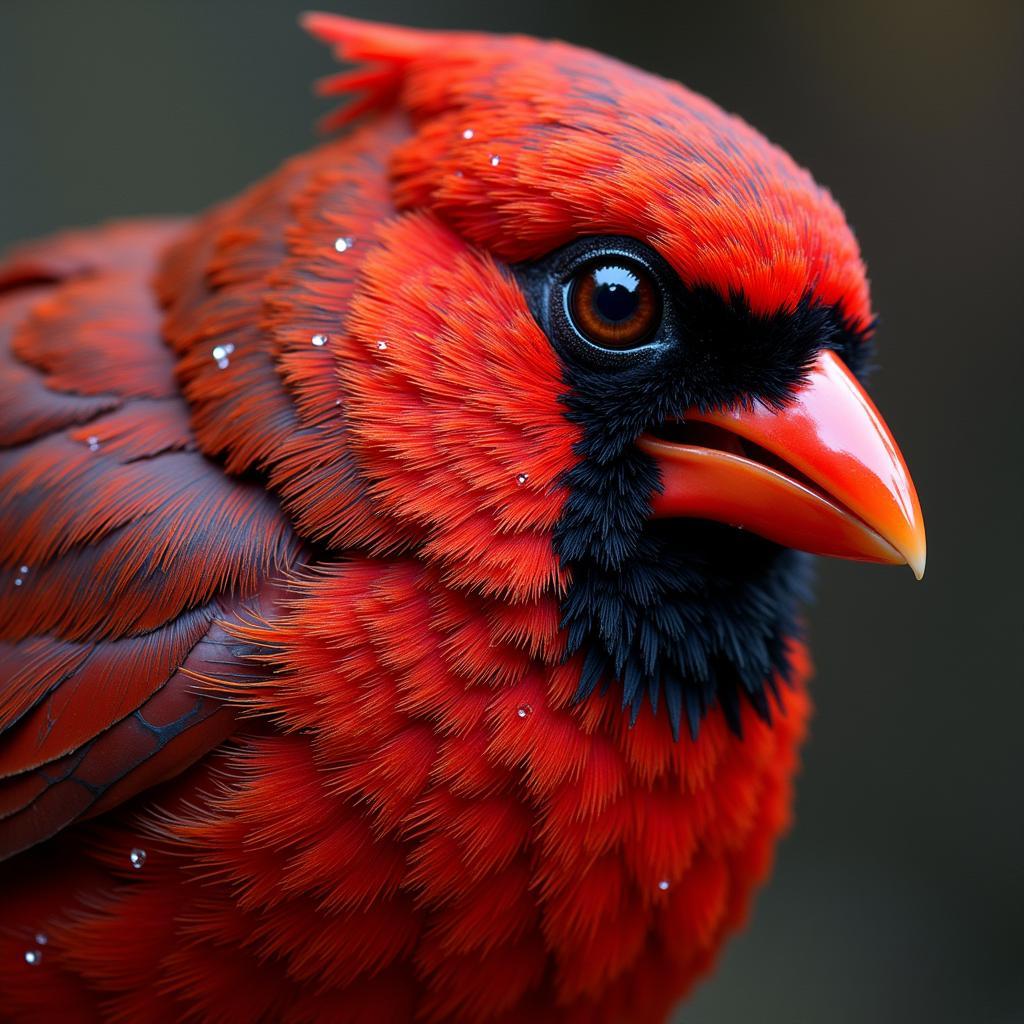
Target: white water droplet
664, 884
382, 346
495, 160
18, 582
319, 340
93, 442
523, 710
23, 570
344, 244
41, 938
33, 956
220, 354
522, 478
467, 133
137, 858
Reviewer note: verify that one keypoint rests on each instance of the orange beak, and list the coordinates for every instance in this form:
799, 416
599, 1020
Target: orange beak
823, 474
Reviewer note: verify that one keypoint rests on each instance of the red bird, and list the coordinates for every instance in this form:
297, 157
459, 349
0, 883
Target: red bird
398, 597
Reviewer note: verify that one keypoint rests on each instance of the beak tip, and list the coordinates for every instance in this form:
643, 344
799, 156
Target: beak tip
916, 560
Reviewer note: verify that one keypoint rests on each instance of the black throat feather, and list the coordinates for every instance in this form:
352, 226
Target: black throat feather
684, 614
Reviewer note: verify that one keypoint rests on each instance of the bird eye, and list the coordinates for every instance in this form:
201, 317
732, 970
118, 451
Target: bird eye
614, 303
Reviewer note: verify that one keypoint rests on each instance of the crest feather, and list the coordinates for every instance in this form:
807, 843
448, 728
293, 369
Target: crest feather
381, 52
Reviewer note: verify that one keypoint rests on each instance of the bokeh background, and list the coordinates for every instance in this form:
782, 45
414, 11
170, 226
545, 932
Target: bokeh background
899, 897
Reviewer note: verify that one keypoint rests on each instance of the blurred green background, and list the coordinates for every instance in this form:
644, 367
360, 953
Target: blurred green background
900, 895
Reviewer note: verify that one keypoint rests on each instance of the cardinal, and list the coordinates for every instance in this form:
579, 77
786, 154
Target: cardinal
401, 564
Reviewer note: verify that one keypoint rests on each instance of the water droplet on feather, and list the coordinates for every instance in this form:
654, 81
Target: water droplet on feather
220, 354
137, 858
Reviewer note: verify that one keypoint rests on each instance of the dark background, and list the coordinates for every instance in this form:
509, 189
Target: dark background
900, 895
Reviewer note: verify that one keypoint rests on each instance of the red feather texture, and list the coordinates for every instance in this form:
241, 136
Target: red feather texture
121, 544
412, 820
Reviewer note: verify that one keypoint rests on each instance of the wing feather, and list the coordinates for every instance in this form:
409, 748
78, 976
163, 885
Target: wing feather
122, 547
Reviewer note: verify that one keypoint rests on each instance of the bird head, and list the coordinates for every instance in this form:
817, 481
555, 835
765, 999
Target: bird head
608, 349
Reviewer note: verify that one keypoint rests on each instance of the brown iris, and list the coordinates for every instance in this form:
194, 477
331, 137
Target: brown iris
614, 303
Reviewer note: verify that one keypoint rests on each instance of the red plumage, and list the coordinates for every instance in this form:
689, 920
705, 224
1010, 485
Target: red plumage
278, 489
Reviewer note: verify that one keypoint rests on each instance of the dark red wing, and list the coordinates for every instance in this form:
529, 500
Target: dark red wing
121, 546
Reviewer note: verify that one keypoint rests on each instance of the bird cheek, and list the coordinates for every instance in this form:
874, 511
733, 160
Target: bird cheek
457, 425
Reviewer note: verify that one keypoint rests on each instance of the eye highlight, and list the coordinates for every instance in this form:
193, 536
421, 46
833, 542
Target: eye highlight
614, 303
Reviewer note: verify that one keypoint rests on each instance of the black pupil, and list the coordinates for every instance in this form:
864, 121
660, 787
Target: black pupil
616, 293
